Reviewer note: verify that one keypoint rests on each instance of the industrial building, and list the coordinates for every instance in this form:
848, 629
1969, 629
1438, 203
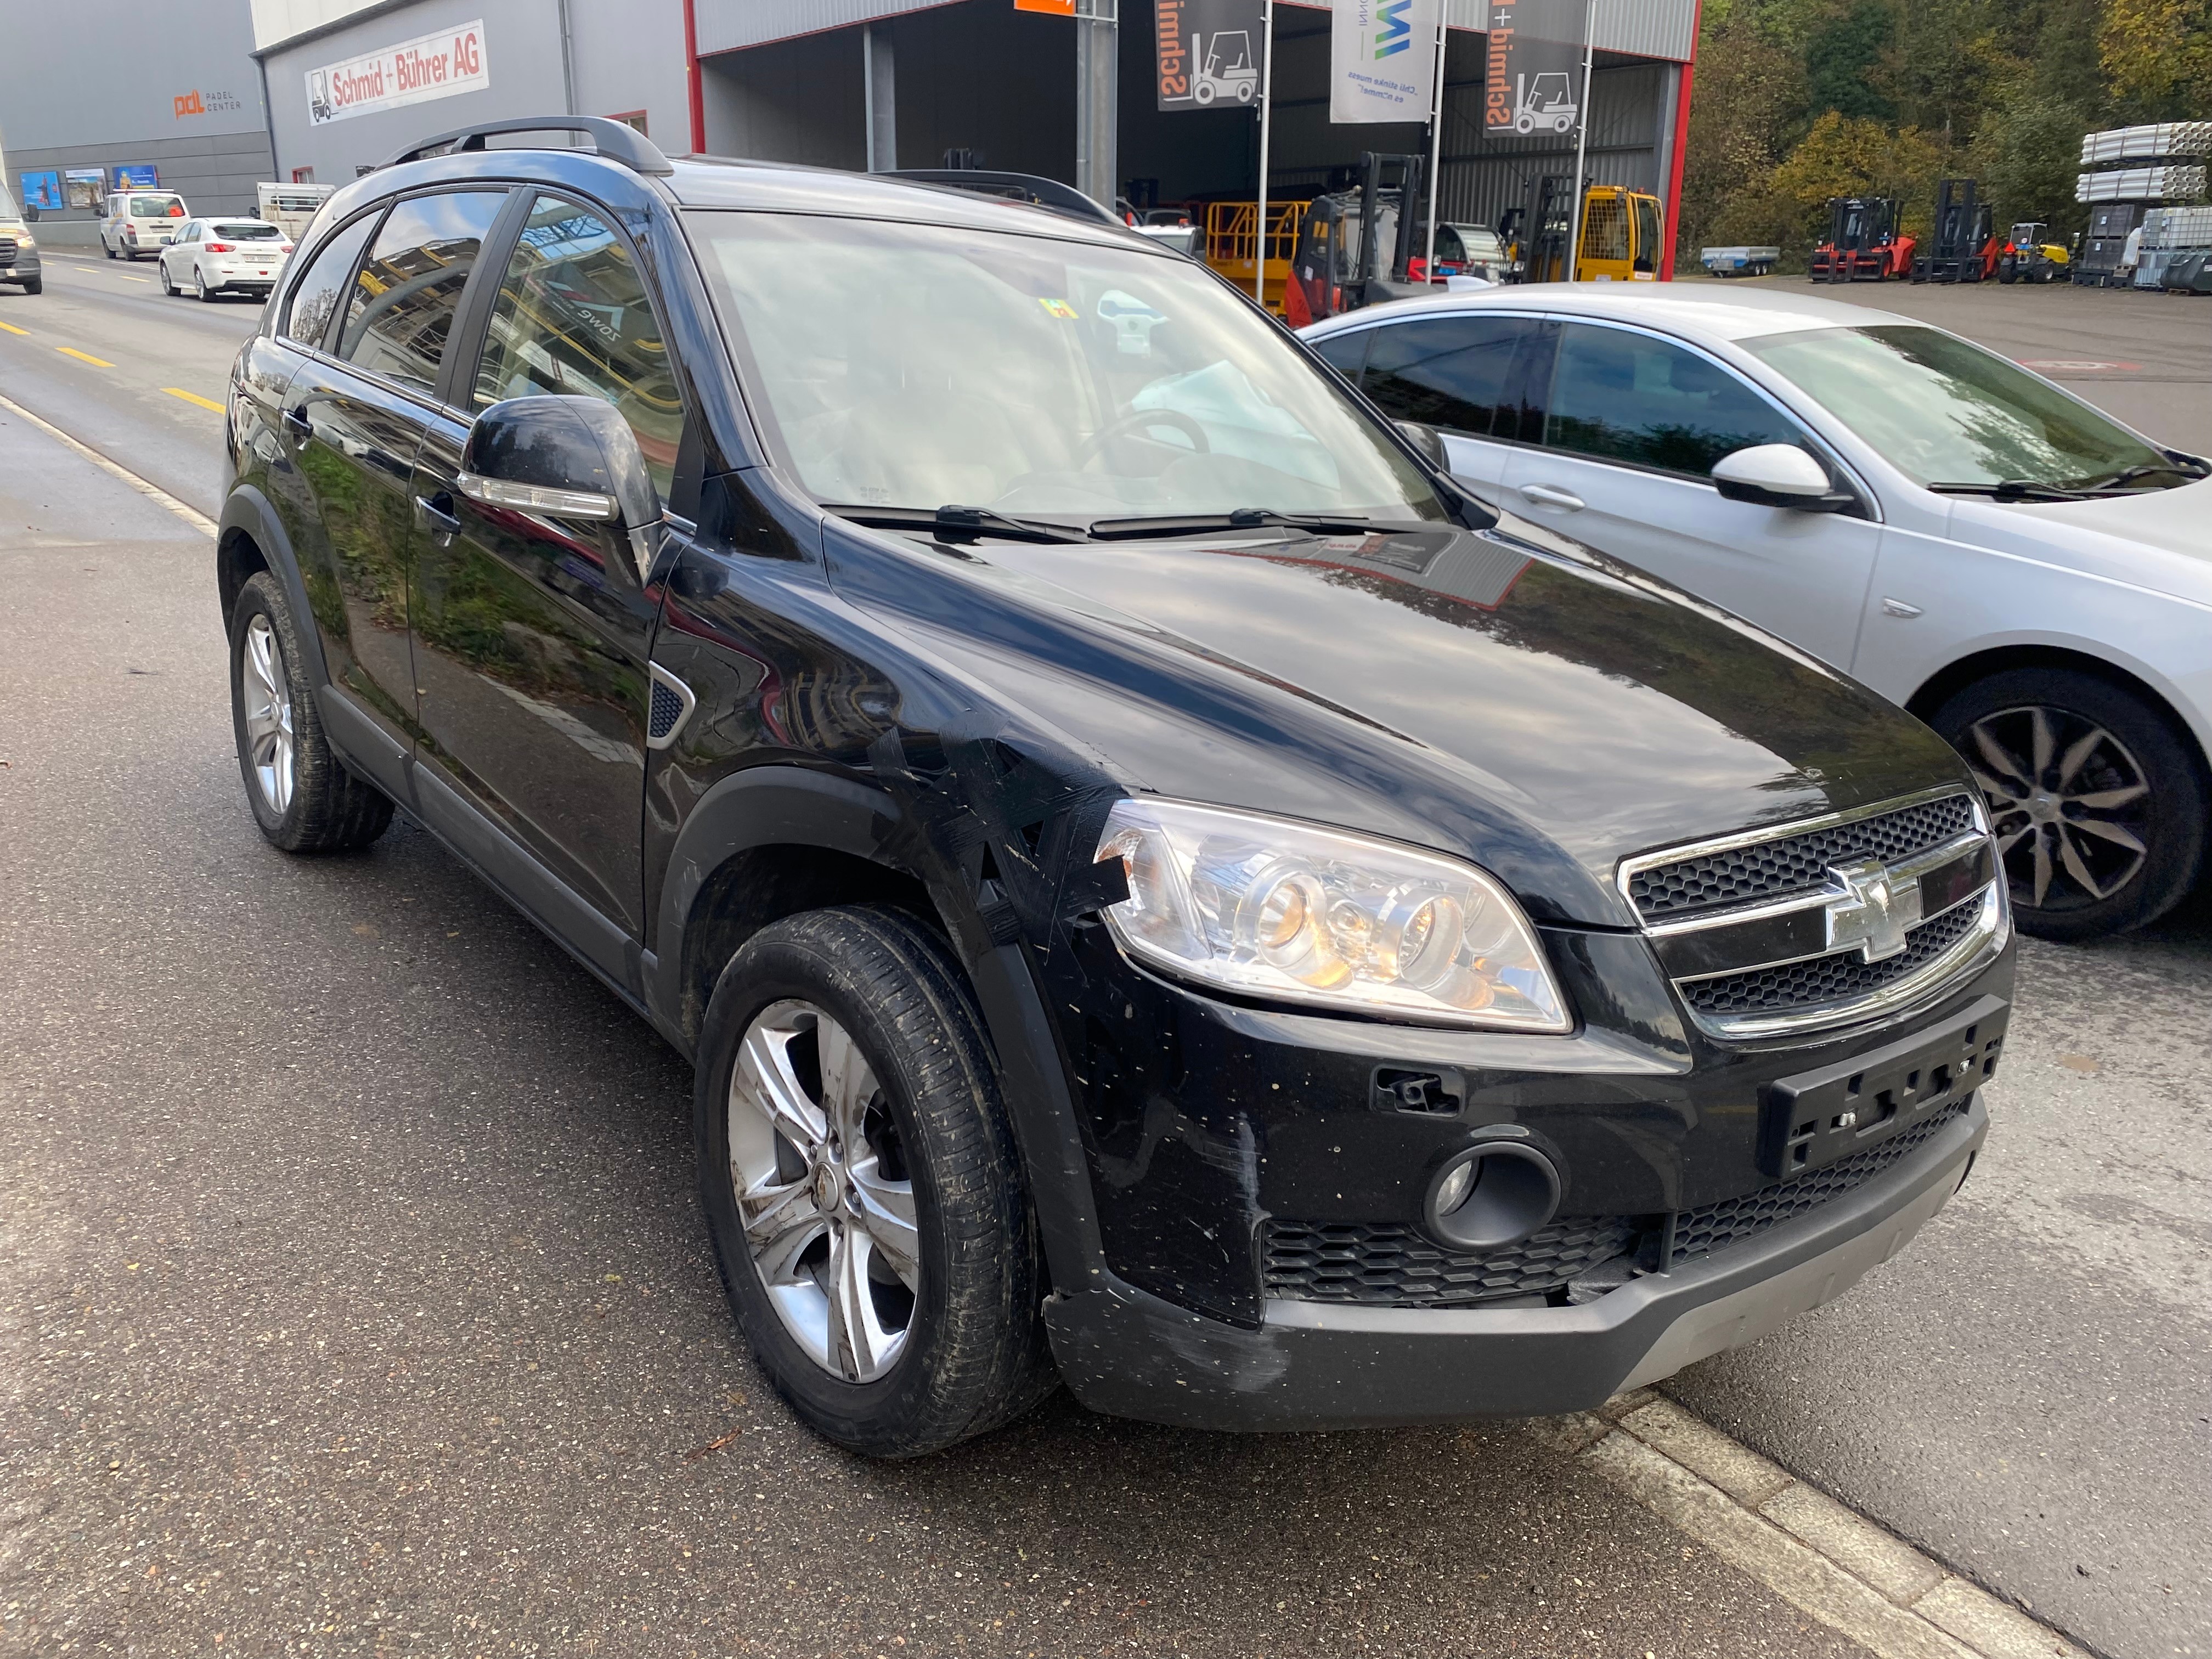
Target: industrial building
336, 86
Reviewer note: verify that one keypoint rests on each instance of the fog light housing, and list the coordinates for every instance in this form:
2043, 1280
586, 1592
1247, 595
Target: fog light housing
1492, 1195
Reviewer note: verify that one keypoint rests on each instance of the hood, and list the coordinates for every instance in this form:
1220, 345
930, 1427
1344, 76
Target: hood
2158, 539
1507, 695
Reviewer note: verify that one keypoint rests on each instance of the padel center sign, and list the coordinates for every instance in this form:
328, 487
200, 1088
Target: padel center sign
413, 72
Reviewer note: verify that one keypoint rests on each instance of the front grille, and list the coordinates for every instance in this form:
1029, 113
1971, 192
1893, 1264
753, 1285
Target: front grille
1715, 1226
7, 250
1826, 979
1386, 1264
1794, 864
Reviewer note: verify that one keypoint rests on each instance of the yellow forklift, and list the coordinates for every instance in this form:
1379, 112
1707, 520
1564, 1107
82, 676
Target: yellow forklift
1623, 234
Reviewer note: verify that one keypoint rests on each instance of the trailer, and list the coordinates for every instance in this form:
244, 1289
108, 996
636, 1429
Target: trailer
1739, 261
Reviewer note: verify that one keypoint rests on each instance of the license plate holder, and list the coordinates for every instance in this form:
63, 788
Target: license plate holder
1811, 1119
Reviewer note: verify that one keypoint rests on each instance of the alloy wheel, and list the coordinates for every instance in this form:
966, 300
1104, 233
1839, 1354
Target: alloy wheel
823, 1191
2068, 802
266, 691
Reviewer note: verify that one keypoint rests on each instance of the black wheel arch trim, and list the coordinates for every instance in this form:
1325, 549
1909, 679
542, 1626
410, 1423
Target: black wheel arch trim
789, 806
248, 513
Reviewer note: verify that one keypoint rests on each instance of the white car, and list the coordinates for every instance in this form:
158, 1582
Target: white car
2029, 576
136, 222
211, 257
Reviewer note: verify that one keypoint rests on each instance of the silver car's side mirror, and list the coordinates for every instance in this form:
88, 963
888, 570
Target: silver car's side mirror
1776, 475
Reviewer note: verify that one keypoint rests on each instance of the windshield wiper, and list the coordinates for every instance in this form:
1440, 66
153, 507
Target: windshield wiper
2182, 466
1243, 517
954, 523
2016, 489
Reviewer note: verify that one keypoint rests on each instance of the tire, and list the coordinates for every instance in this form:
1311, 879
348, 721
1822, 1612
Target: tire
35, 285
320, 807
1202, 93
199, 287
167, 287
1524, 125
971, 1354
2141, 746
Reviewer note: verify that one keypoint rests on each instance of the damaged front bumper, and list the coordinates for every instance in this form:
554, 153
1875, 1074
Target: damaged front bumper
1328, 1365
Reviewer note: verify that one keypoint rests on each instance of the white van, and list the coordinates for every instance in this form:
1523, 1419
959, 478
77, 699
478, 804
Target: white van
140, 221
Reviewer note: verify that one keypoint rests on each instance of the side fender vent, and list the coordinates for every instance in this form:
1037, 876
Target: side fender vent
673, 703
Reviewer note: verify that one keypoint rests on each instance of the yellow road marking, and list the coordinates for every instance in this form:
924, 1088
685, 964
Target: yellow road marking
84, 357
193, 398
135, 279
12, 329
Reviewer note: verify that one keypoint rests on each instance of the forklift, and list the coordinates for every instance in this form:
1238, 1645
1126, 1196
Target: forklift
2028, 257
1964, 246
1864, 244
1338, 266
1623, 234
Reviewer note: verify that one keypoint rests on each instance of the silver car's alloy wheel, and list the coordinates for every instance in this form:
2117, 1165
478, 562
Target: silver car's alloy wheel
823, 1191
2068, 802
266, 692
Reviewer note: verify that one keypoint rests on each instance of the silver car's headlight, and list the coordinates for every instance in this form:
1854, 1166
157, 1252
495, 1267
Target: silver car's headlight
1292, 912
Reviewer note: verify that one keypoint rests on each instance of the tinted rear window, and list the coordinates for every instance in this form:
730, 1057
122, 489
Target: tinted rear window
249, 233
1450, 373
156, 207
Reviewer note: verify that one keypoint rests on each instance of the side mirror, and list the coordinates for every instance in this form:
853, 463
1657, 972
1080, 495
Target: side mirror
1429, 441
564, 458
1777, 474
30, 213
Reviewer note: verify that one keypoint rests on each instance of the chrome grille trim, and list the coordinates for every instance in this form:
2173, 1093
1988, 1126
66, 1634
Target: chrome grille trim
1990, 929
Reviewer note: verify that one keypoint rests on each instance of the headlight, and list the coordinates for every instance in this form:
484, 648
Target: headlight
1296, 913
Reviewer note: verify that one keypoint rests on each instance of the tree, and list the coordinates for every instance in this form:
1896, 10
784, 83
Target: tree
1843, 157
2157, 54
1841, 59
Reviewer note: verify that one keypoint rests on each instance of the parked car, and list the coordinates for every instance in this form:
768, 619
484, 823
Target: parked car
1161, 888
140, 221
210, 257
2009, 563
19, 255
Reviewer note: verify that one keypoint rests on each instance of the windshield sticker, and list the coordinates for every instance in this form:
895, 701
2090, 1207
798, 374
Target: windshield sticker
1061, 309
1133, 321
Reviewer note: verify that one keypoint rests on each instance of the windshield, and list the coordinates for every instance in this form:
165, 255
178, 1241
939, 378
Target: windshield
922, 366
249, 233
1942, 411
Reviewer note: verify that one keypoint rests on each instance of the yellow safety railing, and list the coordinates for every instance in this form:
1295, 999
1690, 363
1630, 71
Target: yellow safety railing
1232, 235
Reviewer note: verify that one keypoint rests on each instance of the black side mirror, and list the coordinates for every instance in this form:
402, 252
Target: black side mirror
565, 458
30, 213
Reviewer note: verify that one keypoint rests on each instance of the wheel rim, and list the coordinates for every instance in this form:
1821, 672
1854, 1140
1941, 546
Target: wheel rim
823, 1191
267, 693
2069, 803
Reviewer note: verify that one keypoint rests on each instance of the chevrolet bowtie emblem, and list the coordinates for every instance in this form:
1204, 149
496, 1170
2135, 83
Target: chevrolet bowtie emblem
1871, 908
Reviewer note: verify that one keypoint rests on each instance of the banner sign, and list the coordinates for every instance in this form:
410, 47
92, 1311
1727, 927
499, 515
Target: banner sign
43, 191
413, 72
1382, 59
1533, 83
1208, 54
143, 176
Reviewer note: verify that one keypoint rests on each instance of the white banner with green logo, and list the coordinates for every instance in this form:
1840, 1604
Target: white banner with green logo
1382, 59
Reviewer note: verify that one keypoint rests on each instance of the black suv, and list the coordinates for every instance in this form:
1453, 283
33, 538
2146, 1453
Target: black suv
1161, 890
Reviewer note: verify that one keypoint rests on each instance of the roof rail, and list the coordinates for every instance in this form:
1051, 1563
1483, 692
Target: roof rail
1012, 186
611, 139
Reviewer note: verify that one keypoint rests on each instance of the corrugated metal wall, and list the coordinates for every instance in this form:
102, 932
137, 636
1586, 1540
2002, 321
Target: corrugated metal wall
1483, 176
1646, 28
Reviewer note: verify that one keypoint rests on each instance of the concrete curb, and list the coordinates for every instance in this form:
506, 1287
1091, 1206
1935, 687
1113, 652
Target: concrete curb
1821, 1557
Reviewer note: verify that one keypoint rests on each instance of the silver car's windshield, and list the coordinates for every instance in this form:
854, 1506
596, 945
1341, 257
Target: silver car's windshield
1942, 411
918, 366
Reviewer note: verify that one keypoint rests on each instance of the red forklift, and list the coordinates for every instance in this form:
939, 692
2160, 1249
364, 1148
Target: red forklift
1864, 244
1338, 265
1964, 246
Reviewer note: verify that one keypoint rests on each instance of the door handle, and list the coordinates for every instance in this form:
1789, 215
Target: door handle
1553, 495
435, 514
297, 423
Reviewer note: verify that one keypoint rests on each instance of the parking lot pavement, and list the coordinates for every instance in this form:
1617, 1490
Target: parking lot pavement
2023, 1392
2146, 358
353, 1297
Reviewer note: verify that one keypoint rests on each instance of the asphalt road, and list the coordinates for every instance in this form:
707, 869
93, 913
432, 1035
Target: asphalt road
353, 1297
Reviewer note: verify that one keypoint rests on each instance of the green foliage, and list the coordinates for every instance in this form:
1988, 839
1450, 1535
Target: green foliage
1798, 100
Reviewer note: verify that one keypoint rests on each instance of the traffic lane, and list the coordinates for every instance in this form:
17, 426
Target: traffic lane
2023, 1392
146, 384
355, 1293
